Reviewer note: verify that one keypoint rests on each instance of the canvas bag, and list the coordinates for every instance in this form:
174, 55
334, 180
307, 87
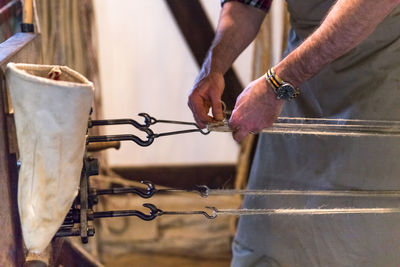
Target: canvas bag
51, 108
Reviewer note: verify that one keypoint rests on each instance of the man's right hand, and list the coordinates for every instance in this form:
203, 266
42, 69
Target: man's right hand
237, 27
206, 94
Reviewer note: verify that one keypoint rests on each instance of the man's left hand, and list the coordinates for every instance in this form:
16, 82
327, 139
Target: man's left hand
257, 107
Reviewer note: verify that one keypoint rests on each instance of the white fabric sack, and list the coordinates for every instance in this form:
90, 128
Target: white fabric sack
51, 108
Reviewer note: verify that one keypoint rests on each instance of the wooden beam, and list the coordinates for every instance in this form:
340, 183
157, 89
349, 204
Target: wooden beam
13, 46
183, 177
71, 254
199, 33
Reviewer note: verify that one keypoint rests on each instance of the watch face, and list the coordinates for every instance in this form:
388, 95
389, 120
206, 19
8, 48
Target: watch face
286, 92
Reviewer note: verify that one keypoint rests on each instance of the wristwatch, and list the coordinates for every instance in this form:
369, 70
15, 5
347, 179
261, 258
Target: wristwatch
282, 89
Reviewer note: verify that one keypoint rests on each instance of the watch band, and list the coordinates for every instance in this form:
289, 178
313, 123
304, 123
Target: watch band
274, 80
282, 89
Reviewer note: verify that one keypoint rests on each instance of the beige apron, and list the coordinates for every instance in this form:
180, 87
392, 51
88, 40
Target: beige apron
363, 84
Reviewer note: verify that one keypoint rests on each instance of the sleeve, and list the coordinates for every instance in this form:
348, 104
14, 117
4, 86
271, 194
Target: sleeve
261, 4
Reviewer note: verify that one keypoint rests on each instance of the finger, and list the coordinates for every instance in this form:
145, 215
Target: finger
194, 114
240, 134
233, 125
235, 122
217, 109
238, 130
200, 109
203, 124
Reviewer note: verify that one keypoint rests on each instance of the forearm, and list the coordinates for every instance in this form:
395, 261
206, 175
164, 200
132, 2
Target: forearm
347, 24
237, 27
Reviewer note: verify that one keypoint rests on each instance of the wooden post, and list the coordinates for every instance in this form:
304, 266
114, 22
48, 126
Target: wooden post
28, 12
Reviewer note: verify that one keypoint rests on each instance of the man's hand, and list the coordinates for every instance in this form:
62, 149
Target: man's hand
207, 93
257, 107
237, 26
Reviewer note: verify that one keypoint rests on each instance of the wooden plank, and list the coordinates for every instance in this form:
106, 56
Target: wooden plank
15, 47
199, 33
20, 47
214, 176
10, 242
72, 255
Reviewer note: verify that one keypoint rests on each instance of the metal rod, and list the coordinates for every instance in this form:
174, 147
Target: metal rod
178, 191
144, 193
180, 132
121, 137
176, 122
197, 212
115, 122
122, 213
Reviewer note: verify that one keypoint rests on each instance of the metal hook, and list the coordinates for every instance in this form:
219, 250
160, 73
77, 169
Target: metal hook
151, 189
142, 192
203, 190
132, 122
123, 137
215, 211
154, 212
148, 120
213, 215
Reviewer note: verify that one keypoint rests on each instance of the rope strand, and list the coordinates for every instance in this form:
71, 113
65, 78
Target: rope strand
247, 212
324, 193
319, 126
